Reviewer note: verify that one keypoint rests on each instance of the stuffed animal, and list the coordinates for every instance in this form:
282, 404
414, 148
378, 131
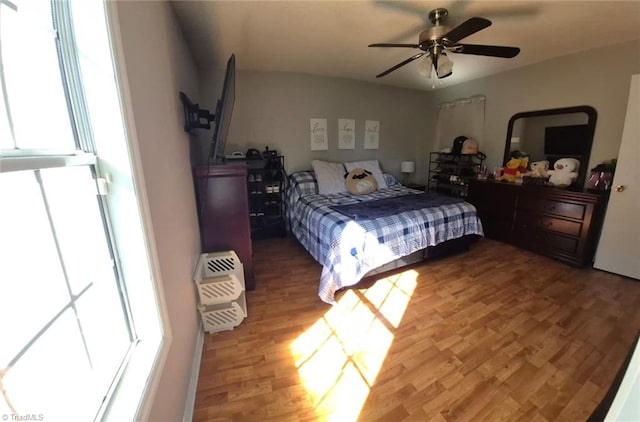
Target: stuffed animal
359, 181
515, 167
524, 164
470, 146
539, 168
565, 172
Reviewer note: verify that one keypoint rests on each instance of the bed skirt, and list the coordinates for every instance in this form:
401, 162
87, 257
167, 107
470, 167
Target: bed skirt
441, 250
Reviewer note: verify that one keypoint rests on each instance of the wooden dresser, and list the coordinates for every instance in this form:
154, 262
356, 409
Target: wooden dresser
223, 213
554, 222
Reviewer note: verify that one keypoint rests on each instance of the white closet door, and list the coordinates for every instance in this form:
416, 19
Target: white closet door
619, 247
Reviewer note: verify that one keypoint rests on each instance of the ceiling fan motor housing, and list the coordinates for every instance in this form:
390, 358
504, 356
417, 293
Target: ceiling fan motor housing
437, 16
432, 34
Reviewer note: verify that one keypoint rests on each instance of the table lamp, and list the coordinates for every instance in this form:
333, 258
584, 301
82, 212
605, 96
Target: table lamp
407, 168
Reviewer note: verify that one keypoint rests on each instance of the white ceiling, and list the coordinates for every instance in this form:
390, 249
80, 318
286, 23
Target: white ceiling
330, 38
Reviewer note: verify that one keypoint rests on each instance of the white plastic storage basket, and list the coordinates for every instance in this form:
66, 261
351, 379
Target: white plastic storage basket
223, 316
219, 277
215, 264
221, 289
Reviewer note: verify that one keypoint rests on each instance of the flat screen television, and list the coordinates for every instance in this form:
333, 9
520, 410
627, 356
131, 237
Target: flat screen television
224, 109
566, 140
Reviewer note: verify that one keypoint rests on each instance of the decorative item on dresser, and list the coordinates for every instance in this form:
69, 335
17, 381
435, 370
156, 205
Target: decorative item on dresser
223, 212
557, 223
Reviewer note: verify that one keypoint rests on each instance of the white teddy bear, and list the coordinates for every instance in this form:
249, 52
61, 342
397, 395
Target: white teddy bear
540, 168
565, 172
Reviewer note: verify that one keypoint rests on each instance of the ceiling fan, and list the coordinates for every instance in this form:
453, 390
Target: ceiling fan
435, 42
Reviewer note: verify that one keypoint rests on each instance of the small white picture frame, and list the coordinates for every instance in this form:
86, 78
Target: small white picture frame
346, 134
318, 134
371, 134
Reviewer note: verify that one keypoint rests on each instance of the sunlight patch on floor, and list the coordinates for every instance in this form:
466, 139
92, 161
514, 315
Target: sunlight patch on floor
340, 355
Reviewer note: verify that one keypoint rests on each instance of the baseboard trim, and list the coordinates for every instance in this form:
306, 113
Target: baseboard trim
190, 401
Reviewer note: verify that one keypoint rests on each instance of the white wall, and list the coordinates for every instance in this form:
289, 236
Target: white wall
273, 109
158, 66
599, 78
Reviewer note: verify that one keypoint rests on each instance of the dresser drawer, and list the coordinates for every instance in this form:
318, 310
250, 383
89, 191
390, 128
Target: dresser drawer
526, 219
547, 242
548, 206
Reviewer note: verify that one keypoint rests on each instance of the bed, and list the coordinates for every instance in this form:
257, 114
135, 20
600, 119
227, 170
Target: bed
351, 235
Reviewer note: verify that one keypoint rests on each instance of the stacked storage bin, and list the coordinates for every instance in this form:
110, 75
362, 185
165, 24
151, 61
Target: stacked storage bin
219, 277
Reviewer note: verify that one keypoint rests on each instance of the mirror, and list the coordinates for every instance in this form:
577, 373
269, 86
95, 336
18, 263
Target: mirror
553, 134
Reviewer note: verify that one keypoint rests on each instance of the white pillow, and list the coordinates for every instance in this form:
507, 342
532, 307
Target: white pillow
373, 166
330, 177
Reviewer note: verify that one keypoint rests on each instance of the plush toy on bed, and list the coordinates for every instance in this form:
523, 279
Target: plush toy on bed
515, 167
539, 169
359, 182
565, 172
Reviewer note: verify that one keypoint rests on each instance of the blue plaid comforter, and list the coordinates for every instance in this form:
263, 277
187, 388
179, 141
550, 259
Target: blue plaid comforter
348, 249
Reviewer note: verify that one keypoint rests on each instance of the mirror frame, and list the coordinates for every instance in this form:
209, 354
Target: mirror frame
592, 116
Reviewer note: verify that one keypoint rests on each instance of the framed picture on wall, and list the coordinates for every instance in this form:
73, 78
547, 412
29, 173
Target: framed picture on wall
371, 134
318, 132
346, 134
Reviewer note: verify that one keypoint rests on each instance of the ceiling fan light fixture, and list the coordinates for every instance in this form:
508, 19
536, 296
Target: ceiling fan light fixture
424, 67
444, 66
433, 43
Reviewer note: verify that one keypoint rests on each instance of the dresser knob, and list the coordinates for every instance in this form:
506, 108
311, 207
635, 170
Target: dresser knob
619, 188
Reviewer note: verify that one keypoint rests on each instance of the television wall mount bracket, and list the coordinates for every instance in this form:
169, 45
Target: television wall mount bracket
194, 116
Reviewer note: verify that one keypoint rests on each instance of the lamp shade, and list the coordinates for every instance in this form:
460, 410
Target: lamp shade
445, 66
407, 166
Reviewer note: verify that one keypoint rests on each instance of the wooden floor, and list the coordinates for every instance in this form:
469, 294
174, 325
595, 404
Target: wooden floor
493, 334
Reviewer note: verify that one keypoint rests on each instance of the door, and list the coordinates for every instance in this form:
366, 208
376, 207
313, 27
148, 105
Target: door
619, 247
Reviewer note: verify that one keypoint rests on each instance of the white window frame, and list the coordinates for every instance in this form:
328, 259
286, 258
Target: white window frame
132, 397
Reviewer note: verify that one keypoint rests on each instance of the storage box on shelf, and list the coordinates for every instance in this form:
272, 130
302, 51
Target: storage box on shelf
219, 277
265, 185
449, 174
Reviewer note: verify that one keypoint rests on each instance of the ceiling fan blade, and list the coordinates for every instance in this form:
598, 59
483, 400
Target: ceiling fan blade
466, 28
488, 50
394, 45
399, 65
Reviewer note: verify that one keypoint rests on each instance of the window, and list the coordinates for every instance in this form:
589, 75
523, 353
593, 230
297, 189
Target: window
69, 322
460, 118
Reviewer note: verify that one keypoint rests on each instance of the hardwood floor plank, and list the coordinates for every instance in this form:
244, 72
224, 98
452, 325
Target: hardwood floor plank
494, 334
